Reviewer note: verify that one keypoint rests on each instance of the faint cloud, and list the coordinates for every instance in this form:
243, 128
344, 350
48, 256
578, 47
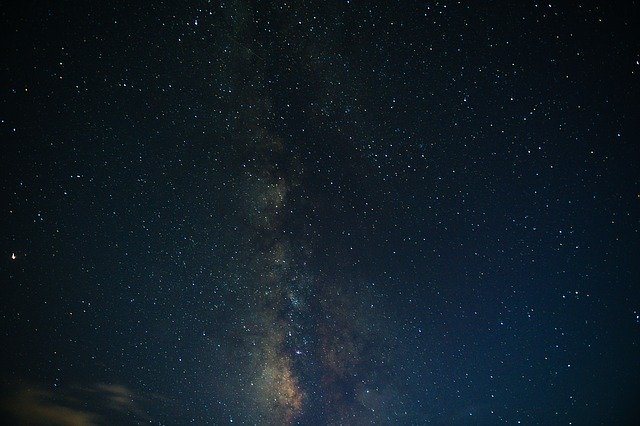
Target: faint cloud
39, 407
96, 404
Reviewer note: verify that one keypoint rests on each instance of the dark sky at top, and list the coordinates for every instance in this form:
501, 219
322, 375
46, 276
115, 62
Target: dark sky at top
320, 212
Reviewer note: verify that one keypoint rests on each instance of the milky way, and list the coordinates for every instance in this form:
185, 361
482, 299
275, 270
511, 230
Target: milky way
312, 339
306, 335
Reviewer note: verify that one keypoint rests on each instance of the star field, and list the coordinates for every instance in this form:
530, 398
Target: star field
320, 213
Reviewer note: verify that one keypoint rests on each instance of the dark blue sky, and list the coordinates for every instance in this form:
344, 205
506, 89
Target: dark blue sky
301, 213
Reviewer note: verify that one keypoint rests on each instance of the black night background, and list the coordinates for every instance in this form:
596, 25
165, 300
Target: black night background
331, 213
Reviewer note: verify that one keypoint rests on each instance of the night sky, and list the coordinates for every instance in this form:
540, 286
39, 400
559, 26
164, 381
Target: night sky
331, 213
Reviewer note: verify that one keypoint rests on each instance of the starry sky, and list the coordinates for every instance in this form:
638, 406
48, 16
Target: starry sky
320, 213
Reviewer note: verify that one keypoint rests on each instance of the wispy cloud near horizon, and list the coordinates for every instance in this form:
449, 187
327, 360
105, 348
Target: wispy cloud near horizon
77, 405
